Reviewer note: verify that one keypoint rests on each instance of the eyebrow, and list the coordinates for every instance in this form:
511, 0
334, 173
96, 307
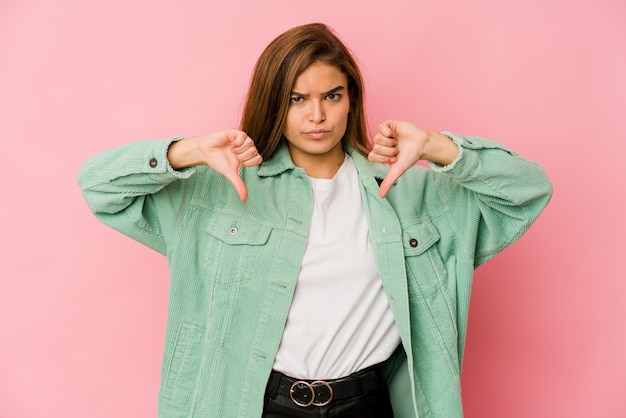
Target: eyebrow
331, 91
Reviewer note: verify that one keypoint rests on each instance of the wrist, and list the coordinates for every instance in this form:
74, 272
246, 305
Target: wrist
439, 149
184, 153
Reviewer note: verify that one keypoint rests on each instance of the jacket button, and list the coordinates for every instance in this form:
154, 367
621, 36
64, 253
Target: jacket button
413, 242
154, 162
233, 231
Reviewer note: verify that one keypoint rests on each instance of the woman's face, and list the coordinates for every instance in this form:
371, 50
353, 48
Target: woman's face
318, 115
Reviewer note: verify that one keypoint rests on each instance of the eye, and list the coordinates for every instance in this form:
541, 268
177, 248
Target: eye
296, 99
333, 96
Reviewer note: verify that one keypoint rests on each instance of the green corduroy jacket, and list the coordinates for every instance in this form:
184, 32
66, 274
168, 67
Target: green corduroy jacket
234, 264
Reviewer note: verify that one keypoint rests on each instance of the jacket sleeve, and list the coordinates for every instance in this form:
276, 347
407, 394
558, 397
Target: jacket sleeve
493, 193
134, 190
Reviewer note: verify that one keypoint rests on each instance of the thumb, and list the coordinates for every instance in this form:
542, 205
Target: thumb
394, 174
238, 184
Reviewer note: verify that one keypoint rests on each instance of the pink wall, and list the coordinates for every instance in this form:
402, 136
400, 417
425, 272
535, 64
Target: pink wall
82, 308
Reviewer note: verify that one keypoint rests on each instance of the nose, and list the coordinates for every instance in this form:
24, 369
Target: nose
317, 112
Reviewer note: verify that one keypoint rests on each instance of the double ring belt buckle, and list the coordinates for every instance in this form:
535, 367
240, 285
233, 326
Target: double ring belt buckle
305, 394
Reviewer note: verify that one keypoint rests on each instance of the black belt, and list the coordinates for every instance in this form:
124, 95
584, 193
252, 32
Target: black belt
305, 393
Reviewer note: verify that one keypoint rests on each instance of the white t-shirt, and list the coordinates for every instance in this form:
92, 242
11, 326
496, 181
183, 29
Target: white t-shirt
340, 320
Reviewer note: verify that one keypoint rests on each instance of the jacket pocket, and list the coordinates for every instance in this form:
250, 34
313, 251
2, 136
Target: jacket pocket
236, 247
181, 364
425, 269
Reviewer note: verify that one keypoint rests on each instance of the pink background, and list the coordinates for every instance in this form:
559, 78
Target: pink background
82, 308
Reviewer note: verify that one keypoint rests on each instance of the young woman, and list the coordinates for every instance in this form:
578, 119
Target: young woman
314, 274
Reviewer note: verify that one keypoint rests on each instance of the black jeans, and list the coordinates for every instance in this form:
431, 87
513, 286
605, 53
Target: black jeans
360, 395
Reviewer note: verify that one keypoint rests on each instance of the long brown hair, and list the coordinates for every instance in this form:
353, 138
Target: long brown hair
283, 60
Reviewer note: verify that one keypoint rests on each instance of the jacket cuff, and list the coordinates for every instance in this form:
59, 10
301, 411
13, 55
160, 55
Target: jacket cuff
468, 159
158, 166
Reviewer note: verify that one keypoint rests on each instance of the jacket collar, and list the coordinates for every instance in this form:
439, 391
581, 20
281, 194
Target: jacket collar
281, 162
278, 163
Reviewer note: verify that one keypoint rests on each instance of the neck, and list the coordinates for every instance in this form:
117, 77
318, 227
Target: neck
320, 166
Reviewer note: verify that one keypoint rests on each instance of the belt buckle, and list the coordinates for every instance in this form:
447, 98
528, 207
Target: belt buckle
321, 384
300, 391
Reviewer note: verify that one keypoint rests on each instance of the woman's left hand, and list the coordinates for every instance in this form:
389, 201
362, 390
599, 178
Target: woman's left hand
402, 144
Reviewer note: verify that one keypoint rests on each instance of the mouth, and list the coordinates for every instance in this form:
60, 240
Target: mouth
316, 133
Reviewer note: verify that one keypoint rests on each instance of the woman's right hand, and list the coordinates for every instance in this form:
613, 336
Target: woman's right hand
224, 151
